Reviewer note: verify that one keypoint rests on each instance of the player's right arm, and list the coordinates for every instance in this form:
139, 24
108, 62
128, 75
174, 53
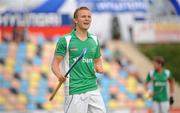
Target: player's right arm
148, 81
56, 69
59, 54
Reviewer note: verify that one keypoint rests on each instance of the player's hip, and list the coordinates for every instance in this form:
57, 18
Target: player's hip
81, 103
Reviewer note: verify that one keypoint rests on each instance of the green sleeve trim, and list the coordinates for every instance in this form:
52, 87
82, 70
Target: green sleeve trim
170, 75
60, 47
98, 51
148, 78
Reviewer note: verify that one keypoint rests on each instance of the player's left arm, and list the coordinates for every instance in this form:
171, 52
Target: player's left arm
171, 89
98, 65
171, 86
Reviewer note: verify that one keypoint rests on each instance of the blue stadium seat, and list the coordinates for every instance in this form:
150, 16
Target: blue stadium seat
148, 103
106, 98
31, 106
1, 80
6, 83
37, 60
105, 81
24, 86
41, 98
107, 54
3, 50
22, 47
20, 60
122, 88
31, 98
131, 96
41, 40
18, 68
123, 73
21, 52
42, 87
2, 108
114, 82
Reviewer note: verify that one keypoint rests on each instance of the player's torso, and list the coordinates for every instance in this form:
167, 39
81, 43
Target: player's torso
160, 86
160, 79
83, 74
76, 46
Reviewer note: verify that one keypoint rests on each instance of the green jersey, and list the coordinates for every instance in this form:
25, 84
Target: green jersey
160, 82
82, 77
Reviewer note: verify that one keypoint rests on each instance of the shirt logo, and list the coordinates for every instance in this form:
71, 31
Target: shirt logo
160, 84
74, 49
84, 60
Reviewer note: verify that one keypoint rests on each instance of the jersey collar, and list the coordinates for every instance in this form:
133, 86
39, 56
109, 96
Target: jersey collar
74, 34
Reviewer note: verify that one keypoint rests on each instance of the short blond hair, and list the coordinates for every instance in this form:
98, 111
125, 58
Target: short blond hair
159, 60
78, 9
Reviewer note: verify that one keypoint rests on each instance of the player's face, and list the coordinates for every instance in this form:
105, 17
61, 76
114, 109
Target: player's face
83, 19
157, 65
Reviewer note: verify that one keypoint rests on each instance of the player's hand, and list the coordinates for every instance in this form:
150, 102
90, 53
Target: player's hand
151, 94
171, 100
61, 78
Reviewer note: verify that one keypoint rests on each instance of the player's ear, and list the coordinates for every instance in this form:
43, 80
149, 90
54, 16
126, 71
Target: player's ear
74, 21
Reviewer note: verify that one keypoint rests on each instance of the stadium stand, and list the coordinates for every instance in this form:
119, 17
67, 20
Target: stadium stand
27, 81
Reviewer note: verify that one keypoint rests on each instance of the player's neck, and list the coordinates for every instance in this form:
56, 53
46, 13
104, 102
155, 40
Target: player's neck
160, 70
81, 34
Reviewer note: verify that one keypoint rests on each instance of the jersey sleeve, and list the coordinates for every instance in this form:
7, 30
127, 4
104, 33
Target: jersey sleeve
60, 47
170, 75
98, 51
148, 78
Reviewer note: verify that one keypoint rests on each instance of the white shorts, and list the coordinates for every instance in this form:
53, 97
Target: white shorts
89, 102
161, 107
